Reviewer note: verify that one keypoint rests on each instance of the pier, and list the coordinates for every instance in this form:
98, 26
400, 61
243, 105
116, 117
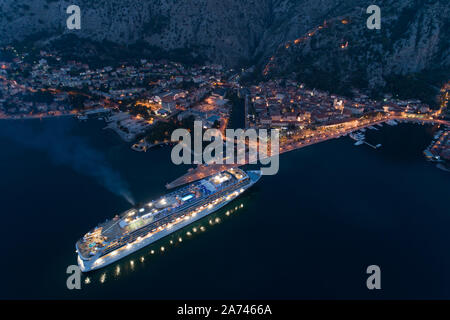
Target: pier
370, 145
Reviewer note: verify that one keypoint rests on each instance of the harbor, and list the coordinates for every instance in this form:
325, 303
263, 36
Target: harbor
202, 171
360, 137
289, 206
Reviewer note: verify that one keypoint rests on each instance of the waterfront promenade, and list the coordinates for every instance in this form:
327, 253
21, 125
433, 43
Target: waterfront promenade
203, 171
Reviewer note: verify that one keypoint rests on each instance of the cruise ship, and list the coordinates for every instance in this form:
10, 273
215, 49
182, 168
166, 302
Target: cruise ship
138, 227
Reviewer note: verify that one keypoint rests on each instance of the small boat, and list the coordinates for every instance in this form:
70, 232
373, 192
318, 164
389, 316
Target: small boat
357, 136
358, 143
391, 122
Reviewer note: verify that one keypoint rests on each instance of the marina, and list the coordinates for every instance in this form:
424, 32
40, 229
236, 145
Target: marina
359, 137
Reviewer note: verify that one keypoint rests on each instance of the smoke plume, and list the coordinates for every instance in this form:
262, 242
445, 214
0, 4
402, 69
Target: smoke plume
64, 148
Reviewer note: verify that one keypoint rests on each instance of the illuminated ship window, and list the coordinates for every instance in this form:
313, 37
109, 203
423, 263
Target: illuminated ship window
187, 197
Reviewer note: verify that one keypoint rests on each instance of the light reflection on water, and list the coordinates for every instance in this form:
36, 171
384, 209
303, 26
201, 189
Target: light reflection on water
136, 261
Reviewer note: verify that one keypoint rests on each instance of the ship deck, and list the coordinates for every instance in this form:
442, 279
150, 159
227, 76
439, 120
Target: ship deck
125, 224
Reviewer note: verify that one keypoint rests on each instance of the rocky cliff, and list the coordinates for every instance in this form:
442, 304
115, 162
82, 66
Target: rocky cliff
412, 49
225, 31
413, 39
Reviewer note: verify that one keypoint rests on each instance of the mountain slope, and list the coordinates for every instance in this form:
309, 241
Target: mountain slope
226, 31
413, 41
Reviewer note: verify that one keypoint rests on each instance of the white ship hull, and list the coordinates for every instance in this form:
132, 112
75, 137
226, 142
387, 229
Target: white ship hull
120, 253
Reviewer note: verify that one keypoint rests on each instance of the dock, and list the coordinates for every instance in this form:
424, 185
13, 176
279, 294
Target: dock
371, 145
202, 171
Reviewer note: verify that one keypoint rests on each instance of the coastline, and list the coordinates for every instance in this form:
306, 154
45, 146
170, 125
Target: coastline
123, 135
38, 117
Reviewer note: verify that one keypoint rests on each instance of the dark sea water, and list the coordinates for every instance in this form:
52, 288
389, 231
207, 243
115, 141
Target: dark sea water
308, 232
